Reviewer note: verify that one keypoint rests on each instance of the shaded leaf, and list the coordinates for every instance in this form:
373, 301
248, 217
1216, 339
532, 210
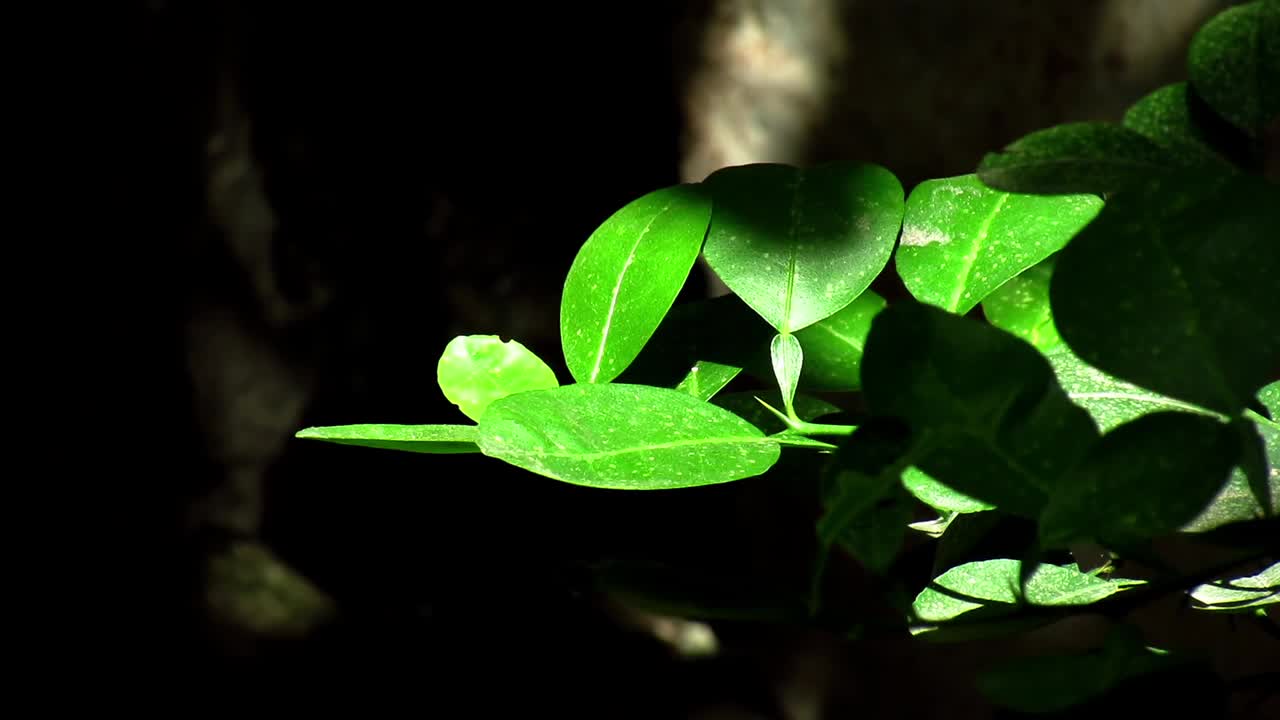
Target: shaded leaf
1171, 118
799, 244
874, 537
1143, 479
1021, 306
625, 278
1174, 288
1234, 64
833, 346
1003, 437
1237, 502
706, 378
475, 370
1079, 157
721, 330
1237, 594
620, 436
962, 239
436, 439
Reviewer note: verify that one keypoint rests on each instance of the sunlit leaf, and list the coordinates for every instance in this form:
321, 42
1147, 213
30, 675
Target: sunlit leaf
833, 346
1000, 437
625, 278
962, 239
1143, 479
706, 378
721, 330
1241, 593
938, 496
437, 439
1237, 502
798, 244
1021, 306
1234, 64
787, 361
746, 406
475, 370
621, 436
1174, 288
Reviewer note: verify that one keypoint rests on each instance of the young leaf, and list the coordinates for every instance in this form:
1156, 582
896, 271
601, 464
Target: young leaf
939, 496
1174, 288
1234, 64
787, 361
631, 437
626, 277
995, 587
1002, 436
961, 239
1021, 306
799, 244
706, 378
1238, 594
475, 370
1143, 479
833, 345
1079, 157
1053, 683
1170, 117
436, 439
1109, 400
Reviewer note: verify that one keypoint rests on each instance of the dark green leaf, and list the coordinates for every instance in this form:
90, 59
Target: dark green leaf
991, 420
1081, 157
797, 244
625, 278
1234, 64
702, 595
1241, 593
441, 439
706, 378
1143, 479
874, 537
962, 239
721, 330
1169, 117
833, 345
1052, 683
1237, 502
1021, 306
1174, 288
475, 370
631, 437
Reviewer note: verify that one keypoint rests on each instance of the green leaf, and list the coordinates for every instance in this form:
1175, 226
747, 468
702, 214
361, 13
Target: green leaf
938, 496
1234, 64
866, 510
746, 406
706, 378
1145, 478
631, 437
1237, 502
1241, 593
799, 244
437, 439
722, 330
1079, 157
1109, 400
475, 370
1043, 684
1002, 436
787, 361
1021, 306
1169, 116
961, 239
874, 537
1174, 288
833, 346
993, 586
625, 278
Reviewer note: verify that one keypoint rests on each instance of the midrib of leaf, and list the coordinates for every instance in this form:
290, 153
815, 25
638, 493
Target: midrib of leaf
791, 260
851, 342
972, 258
617, 289
592, 456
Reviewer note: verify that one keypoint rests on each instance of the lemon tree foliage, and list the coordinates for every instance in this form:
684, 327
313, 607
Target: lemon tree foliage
1076, 344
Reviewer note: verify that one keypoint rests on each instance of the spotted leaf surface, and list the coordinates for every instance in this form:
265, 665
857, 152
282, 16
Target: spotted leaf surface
475, 370
434, 439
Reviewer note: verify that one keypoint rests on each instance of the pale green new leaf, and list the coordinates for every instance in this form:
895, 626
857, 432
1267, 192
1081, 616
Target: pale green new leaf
707, 378
799, 244
625, 278
962, 239
475, 370
434, 439
787, 358
632, 437
1237, 594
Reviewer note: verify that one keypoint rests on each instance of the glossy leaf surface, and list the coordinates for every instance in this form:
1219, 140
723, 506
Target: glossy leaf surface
1234, 64
1251, 591
475, 370
962, 239
1236, 501
1021, 306
621, 436
625, 278
435, 439
996, 585
1174, 288
798, 244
